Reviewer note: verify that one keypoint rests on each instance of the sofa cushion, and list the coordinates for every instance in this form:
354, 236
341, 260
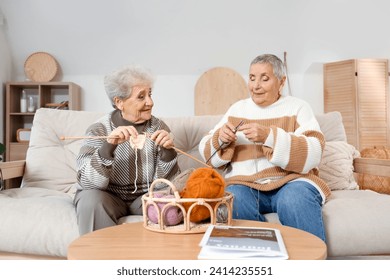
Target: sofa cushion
50, 161
336, 167
332, 127
356, 223
37, 221
353, 227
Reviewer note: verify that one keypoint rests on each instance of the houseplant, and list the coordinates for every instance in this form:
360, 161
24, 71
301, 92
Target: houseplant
2, 150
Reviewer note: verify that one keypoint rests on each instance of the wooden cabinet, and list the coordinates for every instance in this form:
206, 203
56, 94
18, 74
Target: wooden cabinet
50, 94
359, 90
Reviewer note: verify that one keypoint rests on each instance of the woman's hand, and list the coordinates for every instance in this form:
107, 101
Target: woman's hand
163, 138
122, 134
227, 133
255, 132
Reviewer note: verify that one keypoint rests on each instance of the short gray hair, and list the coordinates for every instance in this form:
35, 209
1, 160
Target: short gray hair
121, 82
275, 62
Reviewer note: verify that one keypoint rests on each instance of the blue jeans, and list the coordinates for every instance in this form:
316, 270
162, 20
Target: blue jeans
298, 204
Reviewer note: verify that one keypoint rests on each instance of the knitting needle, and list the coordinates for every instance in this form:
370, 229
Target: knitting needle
221, 145
115, 137
188, 155
87, 137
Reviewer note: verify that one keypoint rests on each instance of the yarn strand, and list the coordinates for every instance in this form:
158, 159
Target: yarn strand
147, 168
136, 169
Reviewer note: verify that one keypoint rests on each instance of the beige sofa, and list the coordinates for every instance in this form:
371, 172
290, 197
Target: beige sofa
38, 220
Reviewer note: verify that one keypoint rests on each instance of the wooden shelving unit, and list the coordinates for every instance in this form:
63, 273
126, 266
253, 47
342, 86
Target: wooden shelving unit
44, 95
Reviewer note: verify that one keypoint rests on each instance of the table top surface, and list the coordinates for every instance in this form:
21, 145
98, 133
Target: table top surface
134, 241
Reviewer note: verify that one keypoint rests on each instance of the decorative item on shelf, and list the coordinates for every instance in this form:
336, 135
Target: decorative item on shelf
31, 106
40, 67
23, 135
23, 102
64, 105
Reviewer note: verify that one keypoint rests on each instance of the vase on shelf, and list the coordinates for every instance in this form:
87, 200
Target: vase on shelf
31, 106
23, 102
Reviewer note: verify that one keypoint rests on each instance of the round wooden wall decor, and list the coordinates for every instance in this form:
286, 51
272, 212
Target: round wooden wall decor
40, 67
217, 89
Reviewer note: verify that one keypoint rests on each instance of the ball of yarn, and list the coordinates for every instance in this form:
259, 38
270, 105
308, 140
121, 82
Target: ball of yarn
202, 183
172, 214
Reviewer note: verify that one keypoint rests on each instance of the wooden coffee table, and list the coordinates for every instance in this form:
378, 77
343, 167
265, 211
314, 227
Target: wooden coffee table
133, 241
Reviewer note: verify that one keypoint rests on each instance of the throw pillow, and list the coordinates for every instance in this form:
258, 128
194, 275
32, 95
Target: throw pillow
332, 126
336, 167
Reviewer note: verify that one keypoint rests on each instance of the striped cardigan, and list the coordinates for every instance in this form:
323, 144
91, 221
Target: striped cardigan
292, 150
120, 169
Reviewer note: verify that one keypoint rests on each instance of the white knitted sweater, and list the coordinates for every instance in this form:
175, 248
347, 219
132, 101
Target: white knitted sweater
292, 150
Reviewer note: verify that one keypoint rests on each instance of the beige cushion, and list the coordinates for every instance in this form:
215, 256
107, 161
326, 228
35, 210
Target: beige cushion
51, 162
357, 223
36, 221
332, 127
336, 167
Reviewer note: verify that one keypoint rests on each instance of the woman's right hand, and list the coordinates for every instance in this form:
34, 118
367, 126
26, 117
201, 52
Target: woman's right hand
227, 133
121, 134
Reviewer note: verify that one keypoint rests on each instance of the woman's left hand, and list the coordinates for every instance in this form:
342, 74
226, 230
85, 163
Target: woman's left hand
162, 138
255, 132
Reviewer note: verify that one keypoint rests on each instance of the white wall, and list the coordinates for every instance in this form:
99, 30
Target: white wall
180, 39
172, 94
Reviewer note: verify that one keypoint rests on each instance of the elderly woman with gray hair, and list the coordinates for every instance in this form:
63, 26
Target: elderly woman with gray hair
113, 170
269, 146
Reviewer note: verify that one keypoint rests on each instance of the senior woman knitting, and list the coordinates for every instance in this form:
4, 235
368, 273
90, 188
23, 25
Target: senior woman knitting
114, 171
271, 159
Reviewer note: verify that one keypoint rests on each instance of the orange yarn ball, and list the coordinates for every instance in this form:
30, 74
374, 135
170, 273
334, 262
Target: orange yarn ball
202, 183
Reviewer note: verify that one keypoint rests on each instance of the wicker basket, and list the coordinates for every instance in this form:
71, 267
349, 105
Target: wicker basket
186, 226
375, 183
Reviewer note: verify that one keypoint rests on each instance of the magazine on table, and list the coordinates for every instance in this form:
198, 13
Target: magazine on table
235, 242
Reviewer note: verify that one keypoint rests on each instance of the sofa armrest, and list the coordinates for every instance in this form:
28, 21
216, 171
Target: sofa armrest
11, 170
372, 166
